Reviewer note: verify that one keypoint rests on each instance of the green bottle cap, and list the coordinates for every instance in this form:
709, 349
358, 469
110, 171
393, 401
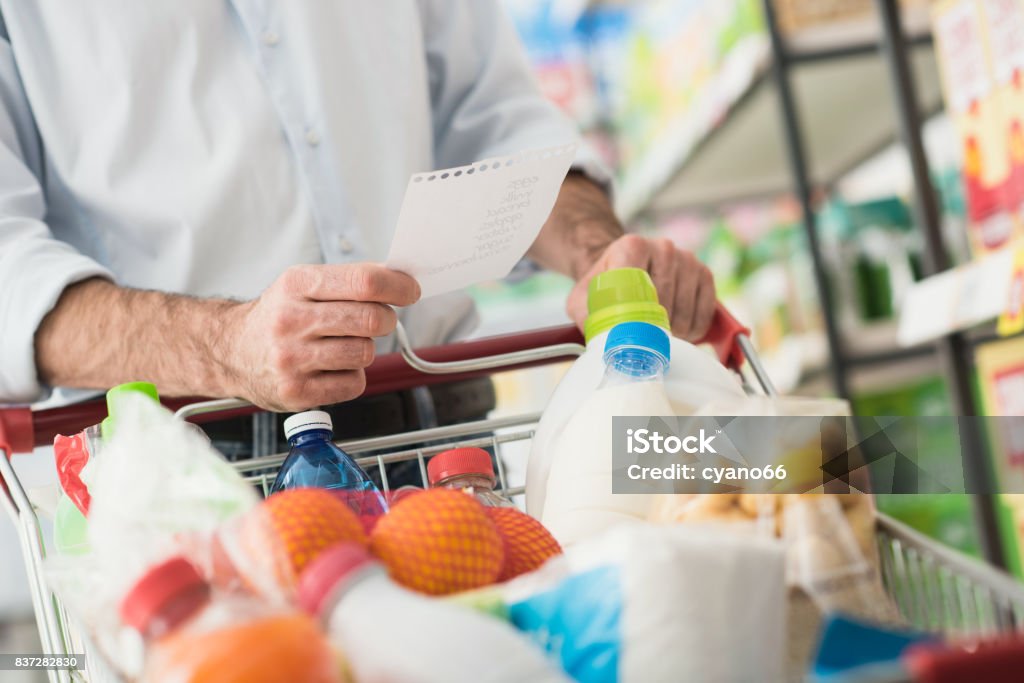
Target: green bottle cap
113, 398
622, 295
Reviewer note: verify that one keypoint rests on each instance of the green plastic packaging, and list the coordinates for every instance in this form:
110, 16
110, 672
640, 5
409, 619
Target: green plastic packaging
116, 394
70, 528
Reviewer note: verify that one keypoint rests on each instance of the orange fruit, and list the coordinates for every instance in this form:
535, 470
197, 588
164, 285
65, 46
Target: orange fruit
528, 544
262, 649
278, 538
439, 541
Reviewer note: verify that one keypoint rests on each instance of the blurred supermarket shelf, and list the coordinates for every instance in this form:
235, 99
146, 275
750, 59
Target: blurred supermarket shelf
856, 33
843, 97
874, 357
870, 379
689, 139
800, 358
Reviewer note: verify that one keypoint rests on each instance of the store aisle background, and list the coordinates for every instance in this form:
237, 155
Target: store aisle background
683, 99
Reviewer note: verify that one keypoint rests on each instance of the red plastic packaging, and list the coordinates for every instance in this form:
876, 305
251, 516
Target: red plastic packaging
71, 454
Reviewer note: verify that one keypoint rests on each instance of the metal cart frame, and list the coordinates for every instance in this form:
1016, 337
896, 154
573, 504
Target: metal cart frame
933, 587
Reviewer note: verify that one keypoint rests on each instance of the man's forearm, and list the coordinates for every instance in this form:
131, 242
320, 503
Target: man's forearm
303, 342
581, 226
99, 335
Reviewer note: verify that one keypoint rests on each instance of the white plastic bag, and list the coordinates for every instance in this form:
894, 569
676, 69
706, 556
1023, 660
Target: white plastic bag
159, 489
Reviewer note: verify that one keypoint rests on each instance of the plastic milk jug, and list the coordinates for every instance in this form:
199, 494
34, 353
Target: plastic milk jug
695, 377
580, 502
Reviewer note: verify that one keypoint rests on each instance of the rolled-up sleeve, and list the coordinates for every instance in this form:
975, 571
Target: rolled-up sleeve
34, 267
485, 99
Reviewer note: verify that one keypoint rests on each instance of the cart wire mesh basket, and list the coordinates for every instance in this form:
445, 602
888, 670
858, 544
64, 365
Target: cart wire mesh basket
934, 588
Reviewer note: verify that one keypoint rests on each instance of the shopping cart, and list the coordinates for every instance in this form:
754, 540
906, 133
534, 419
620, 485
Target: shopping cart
933, 587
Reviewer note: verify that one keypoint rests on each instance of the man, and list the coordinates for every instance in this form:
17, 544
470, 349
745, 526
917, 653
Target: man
194, 192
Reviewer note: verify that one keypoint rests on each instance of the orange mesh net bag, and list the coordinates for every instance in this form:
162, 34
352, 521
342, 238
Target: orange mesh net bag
438, 542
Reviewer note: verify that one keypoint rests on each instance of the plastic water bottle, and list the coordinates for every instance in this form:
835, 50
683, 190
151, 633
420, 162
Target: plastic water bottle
315, 462
389, 633
469, 470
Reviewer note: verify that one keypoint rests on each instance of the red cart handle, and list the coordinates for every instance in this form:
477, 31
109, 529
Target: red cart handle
393, 372
16, 430
723, 336
21, 429
995, 661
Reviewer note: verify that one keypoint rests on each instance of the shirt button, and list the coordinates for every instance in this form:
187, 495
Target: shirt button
345, 245
312, 138
270, 38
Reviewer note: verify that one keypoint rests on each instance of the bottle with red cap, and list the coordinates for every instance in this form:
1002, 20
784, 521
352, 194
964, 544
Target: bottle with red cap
389, 633
468, 469
191, 635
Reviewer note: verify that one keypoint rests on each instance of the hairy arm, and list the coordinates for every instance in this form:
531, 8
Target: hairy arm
100, 335
304, 342
581, 226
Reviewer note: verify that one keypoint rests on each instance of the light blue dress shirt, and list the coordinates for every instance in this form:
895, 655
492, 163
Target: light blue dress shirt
203, 146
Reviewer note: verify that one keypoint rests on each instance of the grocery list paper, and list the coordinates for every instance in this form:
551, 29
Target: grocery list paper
470, 224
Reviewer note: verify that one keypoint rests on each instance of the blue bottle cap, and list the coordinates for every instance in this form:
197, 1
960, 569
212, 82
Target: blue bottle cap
638, 335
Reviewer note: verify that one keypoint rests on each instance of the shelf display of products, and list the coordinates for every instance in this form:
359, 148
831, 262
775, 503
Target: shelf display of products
980, 48
662, 74
685, 64
1001, 377
655, 115
557, 46
874, 252
875, 256
758, 254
